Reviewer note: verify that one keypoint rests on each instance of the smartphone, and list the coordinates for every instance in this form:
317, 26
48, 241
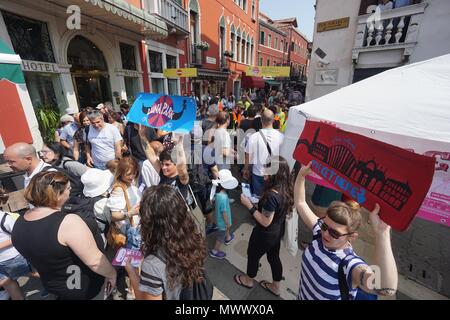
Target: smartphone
246, 190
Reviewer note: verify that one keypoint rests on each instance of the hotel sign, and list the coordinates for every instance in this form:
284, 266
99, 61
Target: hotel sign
333, 24
38, 66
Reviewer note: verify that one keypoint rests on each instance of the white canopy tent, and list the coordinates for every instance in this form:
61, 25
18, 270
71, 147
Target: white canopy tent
407, 106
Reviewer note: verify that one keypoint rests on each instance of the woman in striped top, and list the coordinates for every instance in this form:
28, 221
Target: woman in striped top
331, 250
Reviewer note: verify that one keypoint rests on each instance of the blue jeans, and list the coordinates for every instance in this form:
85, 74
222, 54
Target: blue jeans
14, 268
257, 185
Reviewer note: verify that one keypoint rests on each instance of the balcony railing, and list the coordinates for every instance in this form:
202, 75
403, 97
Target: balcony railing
196, 56
171, 12
390, 29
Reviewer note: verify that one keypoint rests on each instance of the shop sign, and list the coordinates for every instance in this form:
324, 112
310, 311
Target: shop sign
131, 73
38, 66
180, 73
333, 24
268, 71
211, 60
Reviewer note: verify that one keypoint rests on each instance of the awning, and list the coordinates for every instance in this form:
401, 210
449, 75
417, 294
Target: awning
122, 14
272, 82
252, 82
10, 65
212, 75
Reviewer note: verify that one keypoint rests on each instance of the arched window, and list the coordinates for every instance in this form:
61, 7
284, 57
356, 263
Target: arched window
233, 41
247, 60
243, 47
252, 52
222, 43
238, 45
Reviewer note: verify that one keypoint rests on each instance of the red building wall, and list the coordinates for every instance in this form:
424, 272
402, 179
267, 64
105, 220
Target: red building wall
211, 12
268, 50
297, 54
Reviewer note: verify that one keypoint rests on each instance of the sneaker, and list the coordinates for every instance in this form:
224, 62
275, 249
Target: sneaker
217, 255
227, 242
211, 229
44, 293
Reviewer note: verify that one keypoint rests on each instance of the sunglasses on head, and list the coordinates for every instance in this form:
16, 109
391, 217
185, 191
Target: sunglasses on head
332, 232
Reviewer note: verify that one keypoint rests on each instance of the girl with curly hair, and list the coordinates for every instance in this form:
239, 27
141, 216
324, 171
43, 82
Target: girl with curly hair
174, 251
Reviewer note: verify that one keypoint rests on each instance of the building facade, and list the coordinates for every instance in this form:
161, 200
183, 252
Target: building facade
296, 49
353, 41
77, 54
271, 47
222, 43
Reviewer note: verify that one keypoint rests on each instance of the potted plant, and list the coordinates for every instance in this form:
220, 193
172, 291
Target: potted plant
228, 54
48, 120
202, 45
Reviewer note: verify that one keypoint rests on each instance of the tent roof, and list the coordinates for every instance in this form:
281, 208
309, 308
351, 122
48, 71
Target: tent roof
412, 100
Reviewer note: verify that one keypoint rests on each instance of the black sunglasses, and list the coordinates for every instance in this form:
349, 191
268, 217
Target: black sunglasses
335, 234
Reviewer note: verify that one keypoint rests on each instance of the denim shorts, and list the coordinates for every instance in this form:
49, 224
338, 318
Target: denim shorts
14, 268
221, 235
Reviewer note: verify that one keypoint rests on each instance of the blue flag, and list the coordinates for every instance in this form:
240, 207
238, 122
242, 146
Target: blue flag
168, 113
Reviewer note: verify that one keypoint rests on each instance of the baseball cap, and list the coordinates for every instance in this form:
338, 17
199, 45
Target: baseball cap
100, 106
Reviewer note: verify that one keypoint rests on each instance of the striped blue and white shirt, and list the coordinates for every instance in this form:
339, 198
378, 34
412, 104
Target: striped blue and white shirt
319, 270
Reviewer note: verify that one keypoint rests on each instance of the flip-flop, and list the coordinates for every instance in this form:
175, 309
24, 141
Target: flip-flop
237, 279
264, 284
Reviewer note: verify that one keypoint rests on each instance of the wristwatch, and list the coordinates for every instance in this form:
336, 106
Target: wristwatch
252, 210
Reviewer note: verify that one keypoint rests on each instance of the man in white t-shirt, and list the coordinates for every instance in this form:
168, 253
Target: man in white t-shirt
23, 157
105, 142
261, 145
224, 152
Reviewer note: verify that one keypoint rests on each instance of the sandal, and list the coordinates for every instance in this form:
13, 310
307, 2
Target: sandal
237, 279
265, 284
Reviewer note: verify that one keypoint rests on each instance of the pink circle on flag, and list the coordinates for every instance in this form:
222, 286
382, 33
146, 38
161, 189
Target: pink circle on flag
161, 112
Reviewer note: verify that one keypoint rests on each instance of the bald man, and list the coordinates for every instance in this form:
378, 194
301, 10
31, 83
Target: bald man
261, 145
23, 157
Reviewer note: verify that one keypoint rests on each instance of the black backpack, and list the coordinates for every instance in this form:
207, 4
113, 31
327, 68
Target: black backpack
84, 208
75, 181
199, 290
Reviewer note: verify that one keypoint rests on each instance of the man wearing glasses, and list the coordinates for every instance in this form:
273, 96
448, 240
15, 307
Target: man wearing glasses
330, 269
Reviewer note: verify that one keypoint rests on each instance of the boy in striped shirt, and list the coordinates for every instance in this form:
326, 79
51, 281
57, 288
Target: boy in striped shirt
330, 255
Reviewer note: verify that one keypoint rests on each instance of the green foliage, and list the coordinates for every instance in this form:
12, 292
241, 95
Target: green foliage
48, 119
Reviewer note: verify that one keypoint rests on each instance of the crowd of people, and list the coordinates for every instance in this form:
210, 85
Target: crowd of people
106, 183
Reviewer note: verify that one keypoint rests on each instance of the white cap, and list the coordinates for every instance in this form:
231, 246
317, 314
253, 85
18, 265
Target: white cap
226, 181
96, 182
100, 106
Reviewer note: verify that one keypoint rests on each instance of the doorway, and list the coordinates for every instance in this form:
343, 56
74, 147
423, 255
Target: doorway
91, 89
89, 72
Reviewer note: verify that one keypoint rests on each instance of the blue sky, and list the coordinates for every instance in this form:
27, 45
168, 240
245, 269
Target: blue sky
303, 10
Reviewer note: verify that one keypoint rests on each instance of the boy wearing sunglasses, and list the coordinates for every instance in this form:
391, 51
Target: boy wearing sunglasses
330, 269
